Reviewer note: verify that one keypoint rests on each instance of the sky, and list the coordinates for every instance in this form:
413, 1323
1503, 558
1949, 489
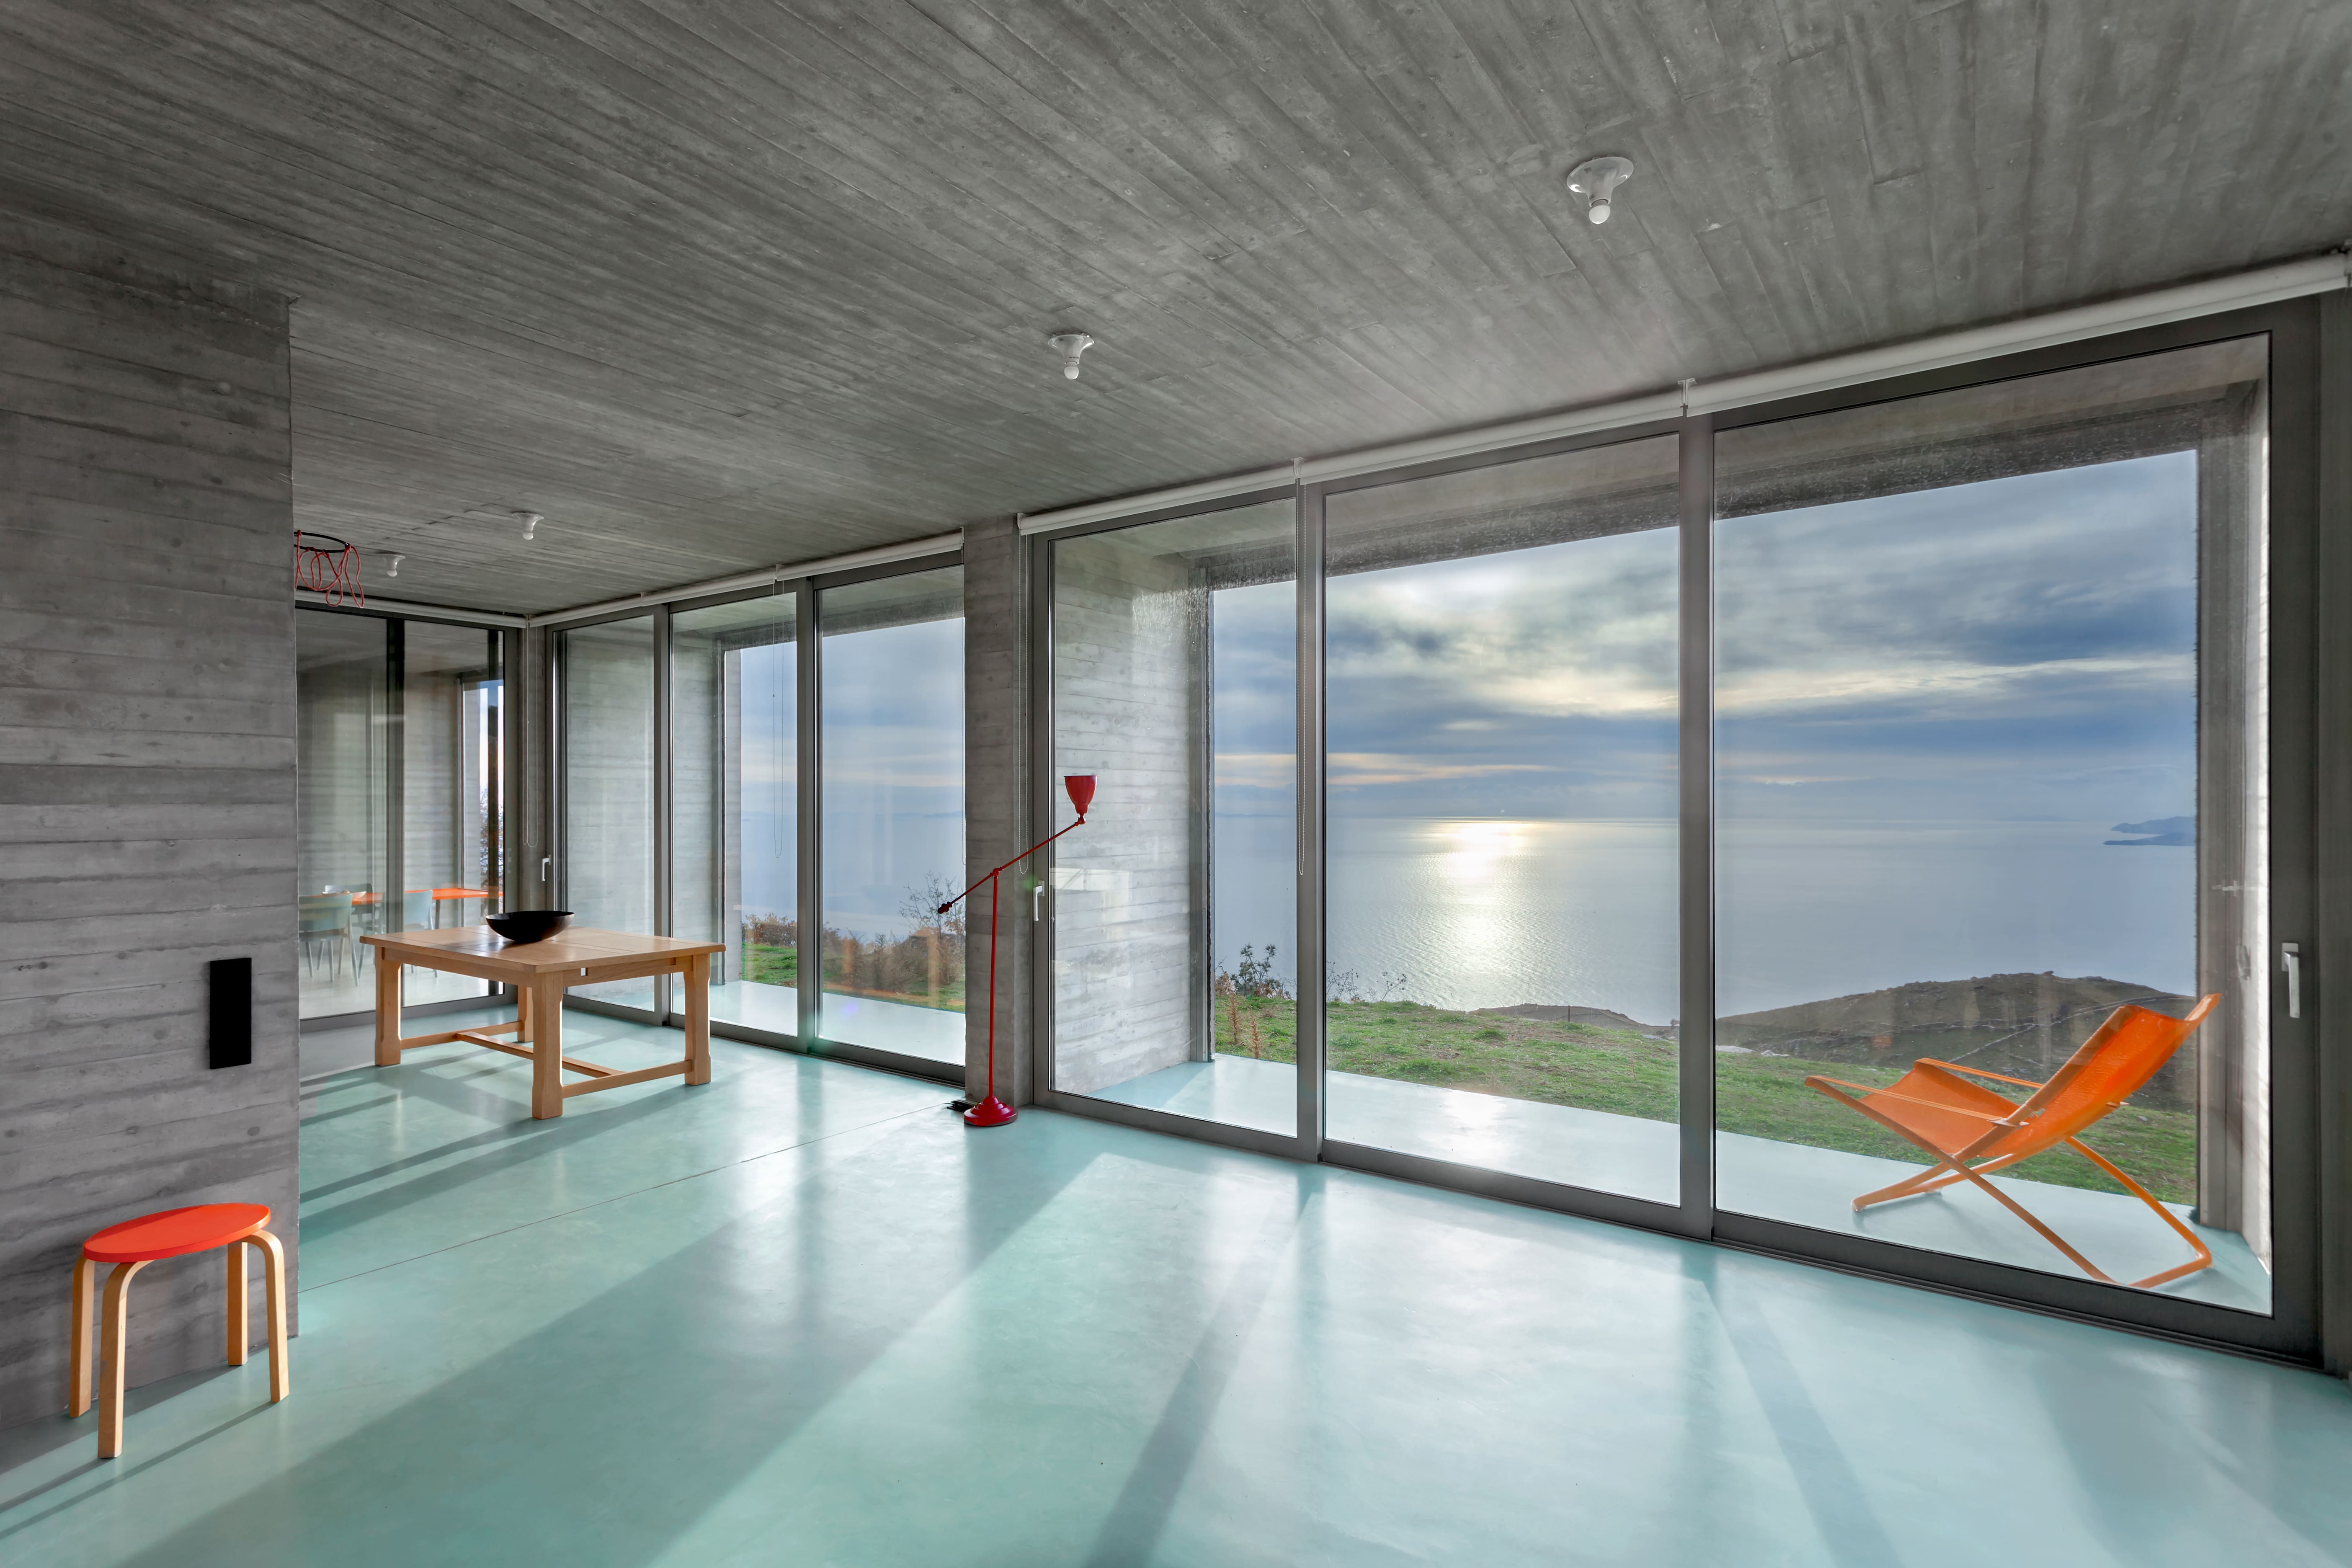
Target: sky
892, 782
2016, 649
2019, 650
1896, 677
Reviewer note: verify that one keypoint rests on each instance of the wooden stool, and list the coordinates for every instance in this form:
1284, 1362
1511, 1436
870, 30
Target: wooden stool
174, 1232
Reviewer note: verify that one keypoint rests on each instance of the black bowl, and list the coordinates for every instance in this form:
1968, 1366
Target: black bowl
529, 925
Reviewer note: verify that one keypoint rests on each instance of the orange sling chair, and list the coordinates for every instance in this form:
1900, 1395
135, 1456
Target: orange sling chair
1972, 1131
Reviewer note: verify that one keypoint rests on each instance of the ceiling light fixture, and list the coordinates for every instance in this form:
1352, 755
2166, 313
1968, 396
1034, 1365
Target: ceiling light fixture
1071, 344
1594, 179
531, 522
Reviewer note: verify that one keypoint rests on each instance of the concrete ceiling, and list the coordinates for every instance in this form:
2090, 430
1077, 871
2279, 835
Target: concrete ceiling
719, 283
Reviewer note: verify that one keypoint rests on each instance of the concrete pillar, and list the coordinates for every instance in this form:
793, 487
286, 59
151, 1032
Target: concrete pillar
147, 820
997, 787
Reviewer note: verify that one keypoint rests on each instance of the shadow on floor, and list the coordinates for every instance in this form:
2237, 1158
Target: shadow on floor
615, 1427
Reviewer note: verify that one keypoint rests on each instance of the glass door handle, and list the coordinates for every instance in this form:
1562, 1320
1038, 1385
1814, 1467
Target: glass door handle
2290, 960
1037, 903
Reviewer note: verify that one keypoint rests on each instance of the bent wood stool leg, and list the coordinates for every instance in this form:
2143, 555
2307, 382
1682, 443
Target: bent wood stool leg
387, 1009
115, 1351
241, 1311
79, 1347
273, 1258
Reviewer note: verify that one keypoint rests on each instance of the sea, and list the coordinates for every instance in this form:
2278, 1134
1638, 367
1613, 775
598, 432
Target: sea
1466, 912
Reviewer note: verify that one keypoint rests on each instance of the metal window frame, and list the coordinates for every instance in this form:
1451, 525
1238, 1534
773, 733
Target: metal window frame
2310, 363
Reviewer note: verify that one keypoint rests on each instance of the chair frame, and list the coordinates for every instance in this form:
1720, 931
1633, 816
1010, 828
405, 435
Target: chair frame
1950, 1168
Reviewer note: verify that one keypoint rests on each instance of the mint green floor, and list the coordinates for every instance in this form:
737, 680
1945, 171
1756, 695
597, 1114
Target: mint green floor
804, 1316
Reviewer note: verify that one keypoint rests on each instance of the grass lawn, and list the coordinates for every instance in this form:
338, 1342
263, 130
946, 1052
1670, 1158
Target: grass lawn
780, 967
1630, 1074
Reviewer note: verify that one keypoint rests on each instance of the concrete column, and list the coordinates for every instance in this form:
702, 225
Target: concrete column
147, 809
997, 787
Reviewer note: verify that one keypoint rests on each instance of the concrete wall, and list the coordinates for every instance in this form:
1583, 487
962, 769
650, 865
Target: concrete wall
1130, 688
147, 767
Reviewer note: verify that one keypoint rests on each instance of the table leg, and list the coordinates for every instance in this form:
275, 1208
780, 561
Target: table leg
697, 1018
547, 1049
387, 1009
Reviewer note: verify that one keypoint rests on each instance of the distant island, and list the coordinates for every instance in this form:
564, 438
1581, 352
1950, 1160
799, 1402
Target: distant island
2172, 832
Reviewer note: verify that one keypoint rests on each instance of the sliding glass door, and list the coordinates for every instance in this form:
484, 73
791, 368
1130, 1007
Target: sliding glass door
604, 693
891, 722
1876, 828
401, 805
343, 706
1500, 794
1175, 675
735, 797
1991, 774
452, 783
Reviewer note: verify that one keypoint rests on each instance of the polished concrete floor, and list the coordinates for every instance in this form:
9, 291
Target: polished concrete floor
1641, 1159
802, 1316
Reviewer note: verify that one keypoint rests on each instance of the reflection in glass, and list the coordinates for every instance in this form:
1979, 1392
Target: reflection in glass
451, 783
892, 705
1175, 684
1990, 754
342, 707
1501, 723
733, 789
605, 687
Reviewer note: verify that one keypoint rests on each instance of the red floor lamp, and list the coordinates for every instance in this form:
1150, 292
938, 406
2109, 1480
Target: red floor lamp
992, 1112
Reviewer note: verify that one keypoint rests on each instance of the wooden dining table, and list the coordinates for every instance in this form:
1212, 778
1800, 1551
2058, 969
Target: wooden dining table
541, 972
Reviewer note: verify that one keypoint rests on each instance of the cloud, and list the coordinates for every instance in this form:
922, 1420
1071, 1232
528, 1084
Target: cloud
1349, 770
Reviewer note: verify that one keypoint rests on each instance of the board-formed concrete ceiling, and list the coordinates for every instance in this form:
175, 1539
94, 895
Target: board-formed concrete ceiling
715, 284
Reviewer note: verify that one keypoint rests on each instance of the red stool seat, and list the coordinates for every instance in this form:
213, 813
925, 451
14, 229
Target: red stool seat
174, 1232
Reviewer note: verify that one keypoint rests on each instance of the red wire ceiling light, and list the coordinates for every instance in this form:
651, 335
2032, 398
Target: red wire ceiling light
328, 567
992, 1112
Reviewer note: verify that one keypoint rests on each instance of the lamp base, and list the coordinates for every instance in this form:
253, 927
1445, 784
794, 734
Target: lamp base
989, 1113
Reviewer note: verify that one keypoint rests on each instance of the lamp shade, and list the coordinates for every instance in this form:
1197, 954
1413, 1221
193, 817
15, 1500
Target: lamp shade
1082, 789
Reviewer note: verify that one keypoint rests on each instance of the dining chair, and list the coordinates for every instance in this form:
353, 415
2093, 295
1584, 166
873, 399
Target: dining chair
326, 917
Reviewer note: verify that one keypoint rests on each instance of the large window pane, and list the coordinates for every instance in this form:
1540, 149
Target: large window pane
451, 786
734, 803
343, 705
1990, 776
1501, 718
892, 707
605, 683
1175, 684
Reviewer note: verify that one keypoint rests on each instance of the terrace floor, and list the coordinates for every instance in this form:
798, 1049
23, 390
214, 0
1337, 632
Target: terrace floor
802, 1316
1791, 1182
932, 1034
